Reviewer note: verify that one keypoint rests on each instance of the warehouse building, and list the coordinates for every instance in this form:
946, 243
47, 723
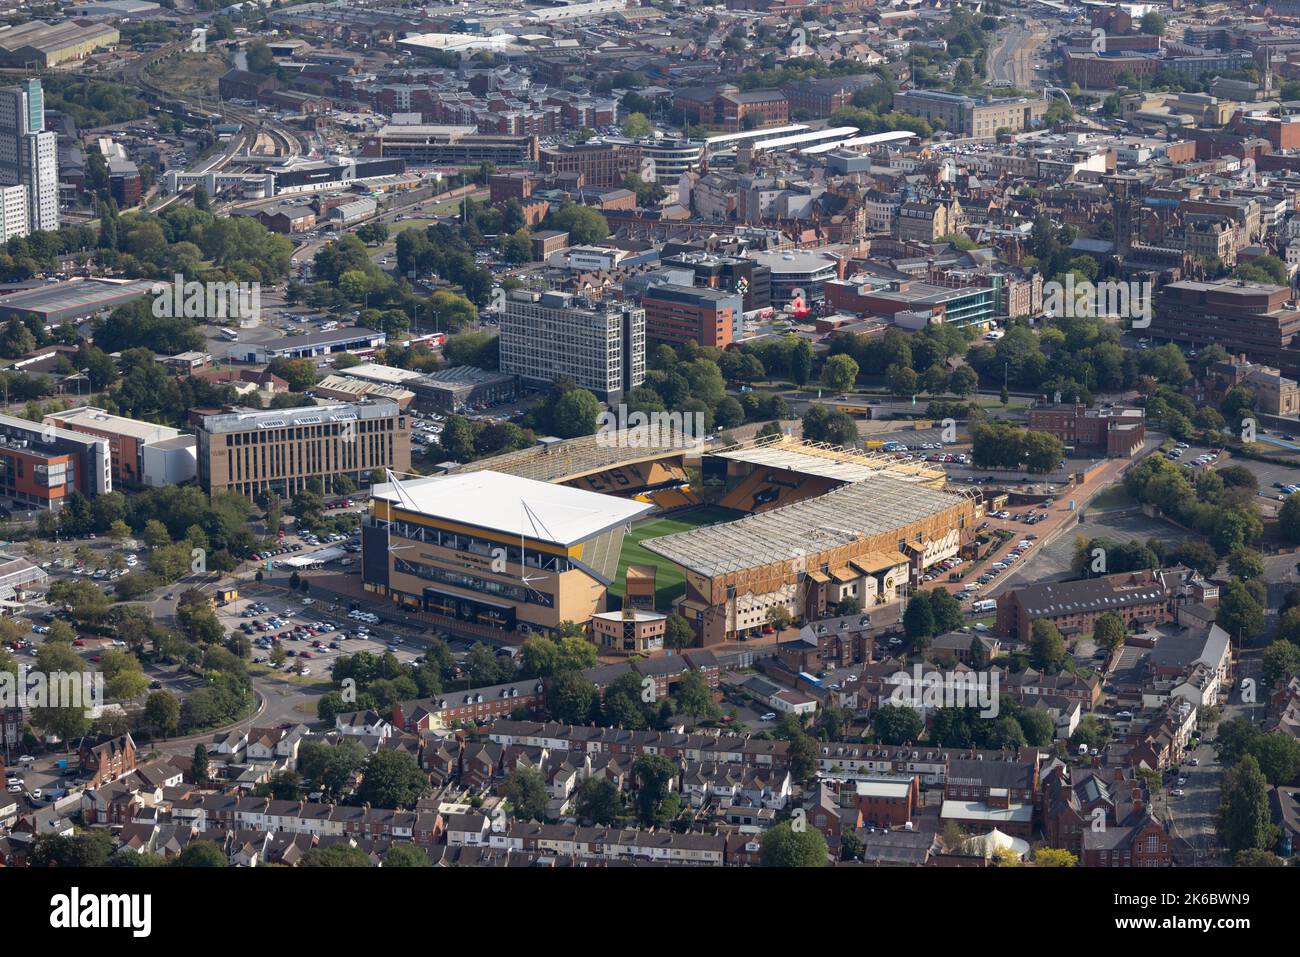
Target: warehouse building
355, 339
73, 300
46, 45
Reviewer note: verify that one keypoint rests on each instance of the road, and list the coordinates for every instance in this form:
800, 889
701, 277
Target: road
1011, 59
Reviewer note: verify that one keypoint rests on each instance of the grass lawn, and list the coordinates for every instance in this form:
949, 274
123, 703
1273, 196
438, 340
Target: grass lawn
668, 580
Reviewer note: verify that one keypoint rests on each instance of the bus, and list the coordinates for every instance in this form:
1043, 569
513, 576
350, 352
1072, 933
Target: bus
231, 335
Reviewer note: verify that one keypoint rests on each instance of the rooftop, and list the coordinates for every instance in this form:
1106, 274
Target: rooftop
513, 505
873, 506
248, 420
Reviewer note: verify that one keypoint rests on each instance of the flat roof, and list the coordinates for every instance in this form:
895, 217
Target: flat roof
557, 514
92, 418
573, 458
824, 461
320, 337
883, 787
874, 506
782, 261
794, 139
304, 415
374, 372
90, 294
979, 811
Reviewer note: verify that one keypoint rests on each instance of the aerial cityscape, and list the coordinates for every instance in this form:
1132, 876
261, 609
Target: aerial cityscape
751, 434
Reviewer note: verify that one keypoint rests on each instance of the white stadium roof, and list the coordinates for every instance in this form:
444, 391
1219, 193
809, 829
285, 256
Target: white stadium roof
871, 139
515, 506
726, 138
781, 142
313, 558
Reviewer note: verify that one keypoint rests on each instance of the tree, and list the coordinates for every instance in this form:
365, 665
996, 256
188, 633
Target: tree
839, 373
1054, 857
1109, 632
1153, 24
525, 789
902, 381
575, 414
598, 801
678, 633
1288, 518
1281, 662
406, 855
1253, 857
918, 619
1046, 646
636, 126
1278, 756
90, 848
654, 775
202, 854
1241, 612
897, 724
1037, 726
1244, 819
200, 765
392, 779
336, 855
694, 697
570, 698
162, 712
783, 846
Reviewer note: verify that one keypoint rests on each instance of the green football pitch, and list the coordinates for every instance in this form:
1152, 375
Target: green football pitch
668, 578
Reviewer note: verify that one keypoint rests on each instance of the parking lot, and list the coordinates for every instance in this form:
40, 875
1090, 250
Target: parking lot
312, 633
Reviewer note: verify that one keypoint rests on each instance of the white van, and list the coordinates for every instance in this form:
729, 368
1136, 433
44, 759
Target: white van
986, 604
970, 587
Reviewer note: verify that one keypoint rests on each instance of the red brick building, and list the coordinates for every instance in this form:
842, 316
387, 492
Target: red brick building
1120, 432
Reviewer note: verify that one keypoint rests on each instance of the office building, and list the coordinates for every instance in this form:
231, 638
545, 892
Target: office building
980, 117
40, 465
127, 438
280, 450
1257, 320
679, 314
29, 152
600, 345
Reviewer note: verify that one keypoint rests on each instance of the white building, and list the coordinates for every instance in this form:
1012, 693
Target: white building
13, 212
600, 345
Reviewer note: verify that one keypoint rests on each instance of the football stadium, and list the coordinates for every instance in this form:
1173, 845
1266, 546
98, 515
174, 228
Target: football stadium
517, 543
